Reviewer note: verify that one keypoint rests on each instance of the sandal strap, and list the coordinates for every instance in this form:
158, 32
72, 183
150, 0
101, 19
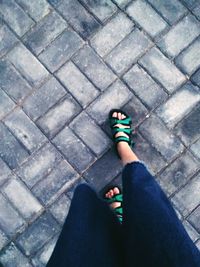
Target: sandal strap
116, 198
125, 130
126, 121
119, 210
122, 138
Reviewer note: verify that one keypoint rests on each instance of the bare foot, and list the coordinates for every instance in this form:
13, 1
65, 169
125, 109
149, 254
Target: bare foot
111, 193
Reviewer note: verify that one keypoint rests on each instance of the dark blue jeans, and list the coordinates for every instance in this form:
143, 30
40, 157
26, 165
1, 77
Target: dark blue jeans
151, 234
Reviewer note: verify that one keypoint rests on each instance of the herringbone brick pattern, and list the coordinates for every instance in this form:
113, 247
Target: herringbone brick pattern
63, 65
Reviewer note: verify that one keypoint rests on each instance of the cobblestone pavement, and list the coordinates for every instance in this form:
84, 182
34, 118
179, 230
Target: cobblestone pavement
63, 65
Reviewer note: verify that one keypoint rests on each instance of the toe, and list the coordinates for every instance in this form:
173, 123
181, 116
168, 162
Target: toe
116, 190
119, 116
114, 115
123, 116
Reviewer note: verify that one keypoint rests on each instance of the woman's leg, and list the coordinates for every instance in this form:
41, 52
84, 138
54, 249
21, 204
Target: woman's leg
90, 236
154, 236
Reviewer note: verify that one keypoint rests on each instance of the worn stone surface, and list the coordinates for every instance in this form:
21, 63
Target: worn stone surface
128, 51
12, 82
189, 60
36, 235
63, 66
188, 198
162, 69
78, 17
171, 10
56, 117
59, 179
21, 198
10, 221
27, 65
15, 16
94, 68
7, 40
78, 85
149, 92
59, 51
184, 33
161, 138
75, 151
179, 105
38, 103
146, 17
111, 34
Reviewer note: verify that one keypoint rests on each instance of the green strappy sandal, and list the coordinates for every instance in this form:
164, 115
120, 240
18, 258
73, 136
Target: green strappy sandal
117, 198
127, 121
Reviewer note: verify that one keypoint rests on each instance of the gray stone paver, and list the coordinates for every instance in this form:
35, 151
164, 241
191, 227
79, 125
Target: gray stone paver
63, 65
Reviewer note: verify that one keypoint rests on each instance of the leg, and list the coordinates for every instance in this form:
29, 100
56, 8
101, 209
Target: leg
154, 236
90, 236
151, 225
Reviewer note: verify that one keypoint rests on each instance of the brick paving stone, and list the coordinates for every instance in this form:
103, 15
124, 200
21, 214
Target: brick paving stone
103, 170
115, 96
12, 256
136, 110
44, 32
3, 239
179, 105
37, 104
148, 154
78, 85
189, 60
42, 257
94, 68
178, 173
60, 208
146, 17
59, 179
22, 199
39, 165
11, 151
12, 82
10, 221
156, 132
198, 244
61, 49
188, 198
196, 11
194, 219
76, 153
25, 130
55, 119
184, 33
5, 171
171, 10
15, 16
101, 9
6, 104
27, 65
36, 9
191, 231
111, 34
37, 234
149, 92
162, 69
195, 148
196, 77
7, 40
128, 51
191, 3
188, 128
90, 133
78, 17
122, 3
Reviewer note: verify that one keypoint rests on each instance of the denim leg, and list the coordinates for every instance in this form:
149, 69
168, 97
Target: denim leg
91, 234
154, 236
